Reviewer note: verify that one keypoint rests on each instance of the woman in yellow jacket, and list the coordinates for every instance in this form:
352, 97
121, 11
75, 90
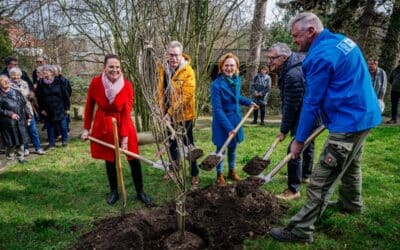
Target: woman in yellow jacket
176, 89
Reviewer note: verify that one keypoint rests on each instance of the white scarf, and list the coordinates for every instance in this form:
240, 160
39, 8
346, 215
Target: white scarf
112, 89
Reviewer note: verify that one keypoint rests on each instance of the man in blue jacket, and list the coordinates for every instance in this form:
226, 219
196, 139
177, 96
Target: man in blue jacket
339, 86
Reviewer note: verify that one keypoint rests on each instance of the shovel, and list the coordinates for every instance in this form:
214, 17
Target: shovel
288, 157
136, 156
213, 159
256, 165
192, 153
119, 165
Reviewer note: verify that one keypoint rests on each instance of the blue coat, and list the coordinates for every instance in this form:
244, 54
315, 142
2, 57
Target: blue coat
339, 85
226, 111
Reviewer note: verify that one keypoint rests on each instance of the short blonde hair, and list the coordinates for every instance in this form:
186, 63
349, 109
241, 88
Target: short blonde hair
223, 58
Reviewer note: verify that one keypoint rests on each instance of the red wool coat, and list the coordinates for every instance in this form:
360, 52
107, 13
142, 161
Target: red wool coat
102, 124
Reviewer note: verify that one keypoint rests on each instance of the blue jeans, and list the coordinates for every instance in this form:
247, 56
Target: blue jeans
50, 125
231, 160
33, 133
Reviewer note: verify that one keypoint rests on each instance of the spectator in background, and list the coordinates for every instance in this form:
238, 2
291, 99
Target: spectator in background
13, 118
67, 85
40, 61
11, 62
379, 81
20, 85
394, 80
54, 105
259, 89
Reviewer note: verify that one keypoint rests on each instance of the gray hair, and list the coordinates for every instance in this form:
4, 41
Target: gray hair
48, 68
282, 49
306, 20
4, 77
15, 70
175, 44
57, 67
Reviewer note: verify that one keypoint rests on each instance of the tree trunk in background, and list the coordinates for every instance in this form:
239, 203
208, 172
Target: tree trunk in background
256, 36
365, 24
390, 47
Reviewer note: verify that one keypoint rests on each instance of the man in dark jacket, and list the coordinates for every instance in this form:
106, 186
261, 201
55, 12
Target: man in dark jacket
11, 62
292, 87
394, 80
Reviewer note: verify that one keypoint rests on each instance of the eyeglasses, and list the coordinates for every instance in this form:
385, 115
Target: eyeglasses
174, 55
273, 58
39, 61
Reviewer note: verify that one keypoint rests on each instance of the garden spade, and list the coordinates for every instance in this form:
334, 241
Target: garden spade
256, 165
213, 159
267, 178
119, 165
126, 152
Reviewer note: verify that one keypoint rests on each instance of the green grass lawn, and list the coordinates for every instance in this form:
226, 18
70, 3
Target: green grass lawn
48, 202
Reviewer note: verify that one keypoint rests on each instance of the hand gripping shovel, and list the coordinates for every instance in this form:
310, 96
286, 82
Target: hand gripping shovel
256, 165
212, 160
277, 168
192, 152
119, 165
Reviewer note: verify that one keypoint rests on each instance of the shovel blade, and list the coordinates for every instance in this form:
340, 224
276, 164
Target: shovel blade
256, 166
210, 162
265, 178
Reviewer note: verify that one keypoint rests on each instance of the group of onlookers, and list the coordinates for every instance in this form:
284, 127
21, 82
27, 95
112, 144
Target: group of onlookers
23, 103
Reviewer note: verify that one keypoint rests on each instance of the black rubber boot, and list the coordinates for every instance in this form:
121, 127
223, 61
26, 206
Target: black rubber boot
136, 171
112, 180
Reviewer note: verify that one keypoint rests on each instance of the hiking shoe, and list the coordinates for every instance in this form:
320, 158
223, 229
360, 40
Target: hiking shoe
40, 151
288, 195
49, 147
26, 152
283, 234
10, 157
391, 121
305, 180
220, 180
233, 175
338, 206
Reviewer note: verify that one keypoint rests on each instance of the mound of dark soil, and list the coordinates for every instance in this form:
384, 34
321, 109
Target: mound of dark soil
210, 162
221, 216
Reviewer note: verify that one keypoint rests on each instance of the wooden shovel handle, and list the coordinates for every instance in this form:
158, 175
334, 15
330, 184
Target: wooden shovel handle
220, 152
288, 157
136, 156
271, 149
118, 162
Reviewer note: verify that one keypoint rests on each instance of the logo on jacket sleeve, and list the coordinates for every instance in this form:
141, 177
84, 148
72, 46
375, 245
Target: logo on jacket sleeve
346, 45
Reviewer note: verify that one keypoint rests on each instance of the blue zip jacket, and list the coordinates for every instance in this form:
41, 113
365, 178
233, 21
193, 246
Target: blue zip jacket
226, 111
339, 85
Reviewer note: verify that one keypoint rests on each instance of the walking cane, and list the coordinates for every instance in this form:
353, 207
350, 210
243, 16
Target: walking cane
119, 165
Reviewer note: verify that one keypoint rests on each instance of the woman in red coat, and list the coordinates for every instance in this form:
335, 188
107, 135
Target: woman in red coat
113, 95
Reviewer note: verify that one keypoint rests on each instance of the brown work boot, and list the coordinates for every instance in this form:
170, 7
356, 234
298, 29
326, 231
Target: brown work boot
233, 175
288, 195
220, 180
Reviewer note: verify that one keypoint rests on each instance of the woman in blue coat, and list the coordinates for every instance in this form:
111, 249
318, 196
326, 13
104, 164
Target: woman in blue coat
226, 101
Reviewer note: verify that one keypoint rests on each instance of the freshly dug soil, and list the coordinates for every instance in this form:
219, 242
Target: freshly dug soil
256, 165
195, 154
210, 162
221, 216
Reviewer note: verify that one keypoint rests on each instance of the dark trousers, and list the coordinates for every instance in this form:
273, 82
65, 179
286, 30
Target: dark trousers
300, 167
394, 98
174, 150
51, 133
262, 113
136, 172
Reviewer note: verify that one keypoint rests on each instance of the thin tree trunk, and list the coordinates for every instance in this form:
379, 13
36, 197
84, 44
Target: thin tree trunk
391, 47
365, 24
253, 61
